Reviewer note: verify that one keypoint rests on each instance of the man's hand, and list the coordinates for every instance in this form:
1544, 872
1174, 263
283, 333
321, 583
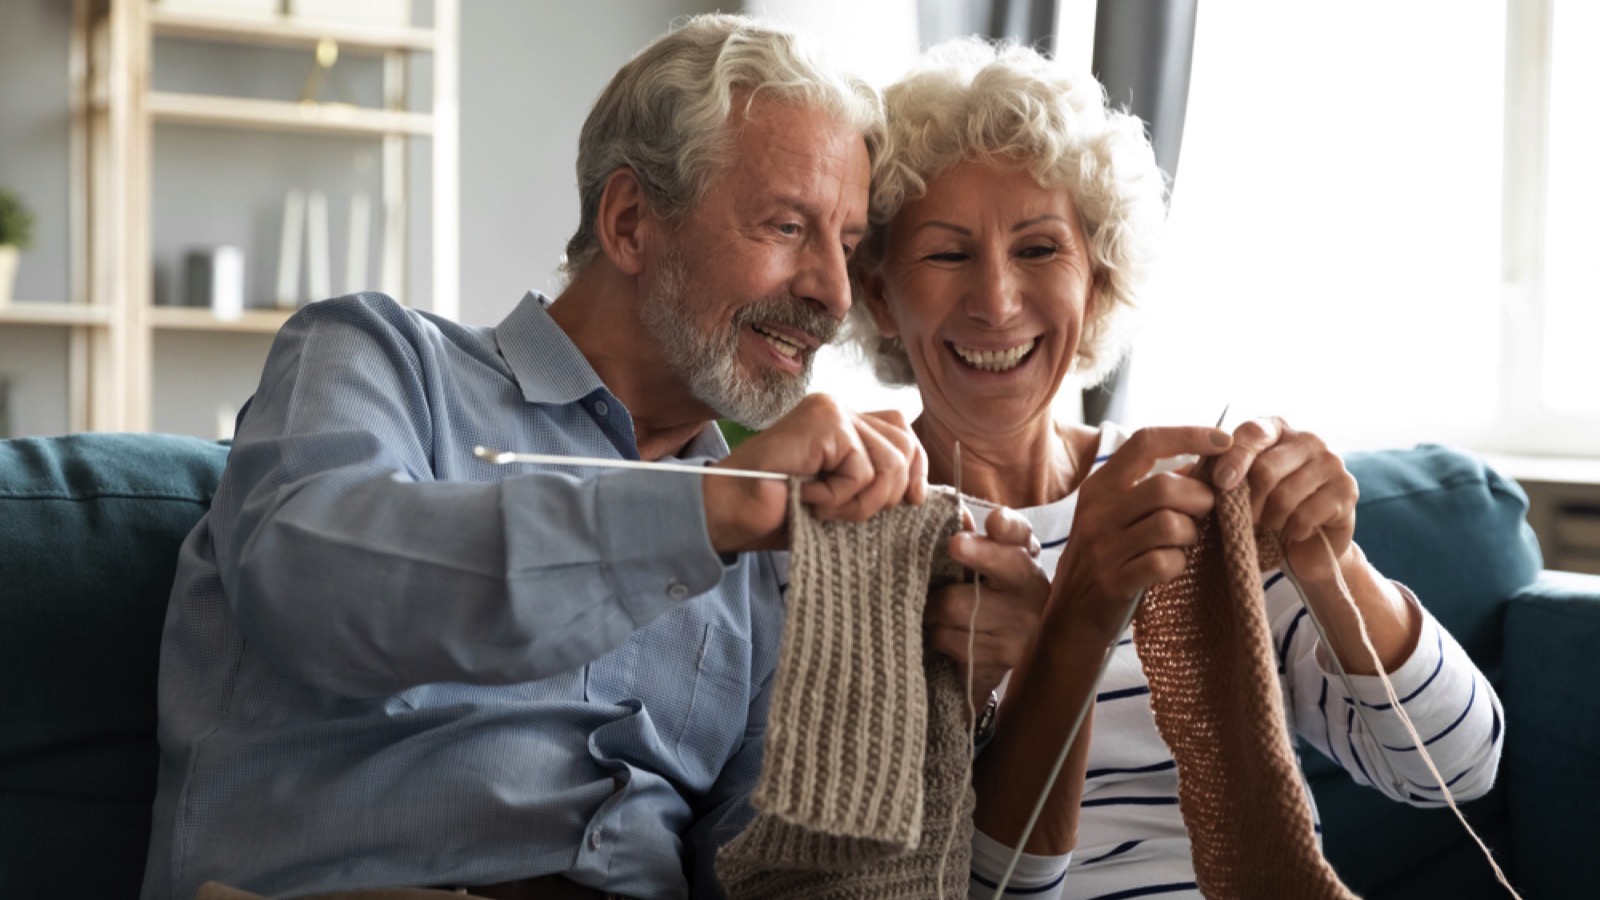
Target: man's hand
1010, 597
859, 464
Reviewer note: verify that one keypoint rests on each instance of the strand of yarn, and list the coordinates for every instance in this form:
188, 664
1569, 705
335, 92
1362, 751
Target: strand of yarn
1394, 701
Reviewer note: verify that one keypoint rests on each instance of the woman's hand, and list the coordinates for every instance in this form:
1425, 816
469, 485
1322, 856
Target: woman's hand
1131, 529
1010, 596
1297, 486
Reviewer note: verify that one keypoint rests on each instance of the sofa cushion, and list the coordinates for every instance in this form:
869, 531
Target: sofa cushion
90, 527
1553, 712
1440, 521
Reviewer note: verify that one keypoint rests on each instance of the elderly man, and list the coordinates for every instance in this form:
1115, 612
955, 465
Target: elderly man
389, 663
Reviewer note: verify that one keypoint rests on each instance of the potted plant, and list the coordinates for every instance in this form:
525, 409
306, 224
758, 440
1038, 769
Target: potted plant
16, 235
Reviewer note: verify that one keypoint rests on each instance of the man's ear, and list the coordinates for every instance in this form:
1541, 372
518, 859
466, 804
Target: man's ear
624, 223
872, 294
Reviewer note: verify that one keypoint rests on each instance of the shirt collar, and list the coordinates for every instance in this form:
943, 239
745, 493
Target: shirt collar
548, 366
550, 369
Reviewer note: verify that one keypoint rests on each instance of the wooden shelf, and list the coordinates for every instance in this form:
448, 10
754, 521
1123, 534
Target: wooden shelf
284, 31
279, 115
194, 318
33, 313
112, 327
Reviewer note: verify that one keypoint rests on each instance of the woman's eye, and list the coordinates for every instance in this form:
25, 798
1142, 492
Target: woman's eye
1039, 251
947, 256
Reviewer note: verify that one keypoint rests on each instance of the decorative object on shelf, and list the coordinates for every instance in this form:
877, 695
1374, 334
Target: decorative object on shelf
356, 249
214, 277
16, 235
327, 54
294, 221
319, 277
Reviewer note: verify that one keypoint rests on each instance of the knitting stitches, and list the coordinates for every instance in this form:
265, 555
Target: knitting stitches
1207, 651
866, 754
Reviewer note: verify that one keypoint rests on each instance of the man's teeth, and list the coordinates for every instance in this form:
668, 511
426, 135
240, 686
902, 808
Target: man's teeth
993, 360
781, 344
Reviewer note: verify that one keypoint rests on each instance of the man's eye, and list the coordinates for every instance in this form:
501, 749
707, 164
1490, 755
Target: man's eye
789, 228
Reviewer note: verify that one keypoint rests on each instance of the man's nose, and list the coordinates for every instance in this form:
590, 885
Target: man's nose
823, 279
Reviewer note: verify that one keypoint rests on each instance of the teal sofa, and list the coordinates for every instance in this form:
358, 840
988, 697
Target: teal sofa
90, 527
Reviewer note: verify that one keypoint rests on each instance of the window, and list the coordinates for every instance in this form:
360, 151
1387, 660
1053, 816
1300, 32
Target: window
1334, 233
1557, 285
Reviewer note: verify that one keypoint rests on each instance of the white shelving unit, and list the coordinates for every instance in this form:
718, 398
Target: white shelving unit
111, 318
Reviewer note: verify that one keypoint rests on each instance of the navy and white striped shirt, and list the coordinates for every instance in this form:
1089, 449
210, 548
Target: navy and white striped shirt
388, 662
1131, 837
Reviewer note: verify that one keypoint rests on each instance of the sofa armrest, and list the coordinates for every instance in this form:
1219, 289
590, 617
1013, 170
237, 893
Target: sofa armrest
1552, 667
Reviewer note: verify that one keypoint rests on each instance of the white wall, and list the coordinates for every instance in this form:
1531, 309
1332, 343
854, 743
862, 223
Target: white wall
529, 73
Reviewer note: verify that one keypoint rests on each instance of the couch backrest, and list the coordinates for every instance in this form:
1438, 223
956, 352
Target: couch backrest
90, 526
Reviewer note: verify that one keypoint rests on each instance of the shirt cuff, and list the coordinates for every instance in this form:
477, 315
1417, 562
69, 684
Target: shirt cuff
652, 529
1035, 876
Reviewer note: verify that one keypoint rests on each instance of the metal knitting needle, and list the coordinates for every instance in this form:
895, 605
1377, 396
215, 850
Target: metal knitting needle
1077, 725
505, 457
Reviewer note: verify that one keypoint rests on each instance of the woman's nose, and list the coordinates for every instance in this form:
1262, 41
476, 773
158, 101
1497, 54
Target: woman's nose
995, 296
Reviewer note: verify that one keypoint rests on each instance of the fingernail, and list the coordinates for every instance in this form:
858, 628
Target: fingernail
1220, 438
1226, 476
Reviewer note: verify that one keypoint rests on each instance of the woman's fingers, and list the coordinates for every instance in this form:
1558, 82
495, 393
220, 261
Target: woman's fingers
1139, 455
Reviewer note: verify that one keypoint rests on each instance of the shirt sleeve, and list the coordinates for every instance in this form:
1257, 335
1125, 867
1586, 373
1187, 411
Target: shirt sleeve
1035, 877
1456, 713
363, 559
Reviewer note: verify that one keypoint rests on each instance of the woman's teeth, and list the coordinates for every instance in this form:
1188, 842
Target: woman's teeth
781, 344
993, 360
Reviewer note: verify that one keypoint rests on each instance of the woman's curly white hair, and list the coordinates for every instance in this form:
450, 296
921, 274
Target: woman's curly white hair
972, 99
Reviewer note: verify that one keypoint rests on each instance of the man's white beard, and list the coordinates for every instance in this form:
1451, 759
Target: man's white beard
709, 362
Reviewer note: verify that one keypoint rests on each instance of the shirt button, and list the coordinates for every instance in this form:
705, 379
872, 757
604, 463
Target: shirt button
601, 408
594, 839
677, 590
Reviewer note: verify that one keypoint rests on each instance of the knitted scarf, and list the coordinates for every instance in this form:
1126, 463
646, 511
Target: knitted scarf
1207, 651
865, 787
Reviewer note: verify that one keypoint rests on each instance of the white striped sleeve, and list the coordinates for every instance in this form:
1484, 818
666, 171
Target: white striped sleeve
1455, 711
1036, 877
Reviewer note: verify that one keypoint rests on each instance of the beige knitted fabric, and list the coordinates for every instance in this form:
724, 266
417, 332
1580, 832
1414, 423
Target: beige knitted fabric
867, 750
1206, 648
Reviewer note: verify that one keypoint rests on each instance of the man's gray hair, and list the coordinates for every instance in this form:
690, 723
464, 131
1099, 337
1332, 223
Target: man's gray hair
973, 99
666, 113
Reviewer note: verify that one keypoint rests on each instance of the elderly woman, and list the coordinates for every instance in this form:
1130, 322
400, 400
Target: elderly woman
1014, 219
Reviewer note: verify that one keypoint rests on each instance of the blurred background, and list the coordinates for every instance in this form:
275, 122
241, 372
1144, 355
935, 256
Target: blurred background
1381, 224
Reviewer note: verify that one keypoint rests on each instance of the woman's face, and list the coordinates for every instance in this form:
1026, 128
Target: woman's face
985, 279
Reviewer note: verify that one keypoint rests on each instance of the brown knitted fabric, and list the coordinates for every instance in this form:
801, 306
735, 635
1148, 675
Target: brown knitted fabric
866, 757
1206, 648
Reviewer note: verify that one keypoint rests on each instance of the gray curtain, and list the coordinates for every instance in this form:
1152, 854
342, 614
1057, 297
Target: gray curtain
1029, 22
1142, 54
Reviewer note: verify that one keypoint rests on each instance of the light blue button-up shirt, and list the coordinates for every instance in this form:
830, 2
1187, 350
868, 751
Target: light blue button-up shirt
387, 662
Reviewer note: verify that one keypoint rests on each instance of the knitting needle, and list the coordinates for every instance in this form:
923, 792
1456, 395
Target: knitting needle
504, 457
1077, 725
